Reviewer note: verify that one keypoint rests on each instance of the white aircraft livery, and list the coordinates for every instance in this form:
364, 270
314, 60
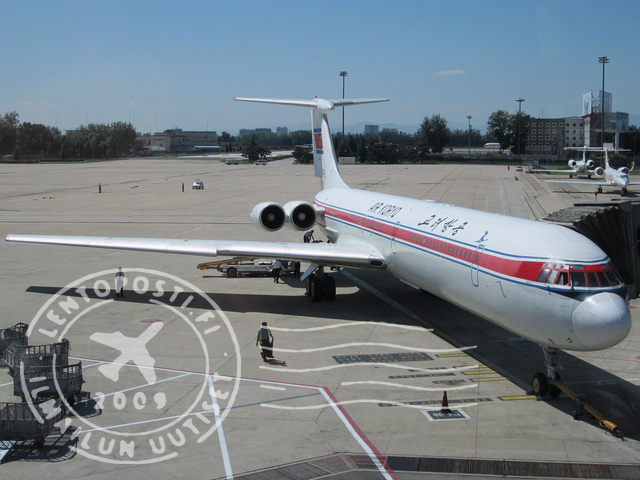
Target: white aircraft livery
543, 282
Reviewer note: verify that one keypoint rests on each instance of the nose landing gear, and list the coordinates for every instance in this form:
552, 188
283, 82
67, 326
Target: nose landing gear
550, 385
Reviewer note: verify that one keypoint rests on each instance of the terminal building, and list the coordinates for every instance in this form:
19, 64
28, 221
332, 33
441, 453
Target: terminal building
178, 141
549, 136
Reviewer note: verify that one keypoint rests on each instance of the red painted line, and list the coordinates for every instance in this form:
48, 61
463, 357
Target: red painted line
365, 439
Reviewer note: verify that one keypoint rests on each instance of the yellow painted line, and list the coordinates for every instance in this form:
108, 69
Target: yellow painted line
470, 367
518, 397
478, 372
451, 355
488, 379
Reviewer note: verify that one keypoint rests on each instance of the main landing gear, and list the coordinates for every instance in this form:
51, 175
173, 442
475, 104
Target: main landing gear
321, 286
549, 384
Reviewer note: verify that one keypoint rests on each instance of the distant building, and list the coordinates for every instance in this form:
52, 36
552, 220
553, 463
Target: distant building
245, 132
282, 131
178, 141
372, 129
546, 136
574, 132
614, 122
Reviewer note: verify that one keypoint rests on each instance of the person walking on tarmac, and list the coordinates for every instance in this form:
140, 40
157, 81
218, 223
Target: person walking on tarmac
120, 283
265, 339
276, 268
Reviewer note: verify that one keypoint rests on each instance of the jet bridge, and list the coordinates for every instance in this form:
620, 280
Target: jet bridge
615, 227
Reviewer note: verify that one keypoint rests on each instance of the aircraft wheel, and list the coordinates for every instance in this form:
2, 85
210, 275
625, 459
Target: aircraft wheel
599, 189
232, 271
315, 289
553, 390
624, 191
540, 384
329, 288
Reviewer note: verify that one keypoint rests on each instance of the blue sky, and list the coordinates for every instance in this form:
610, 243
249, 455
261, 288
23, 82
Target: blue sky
162, 64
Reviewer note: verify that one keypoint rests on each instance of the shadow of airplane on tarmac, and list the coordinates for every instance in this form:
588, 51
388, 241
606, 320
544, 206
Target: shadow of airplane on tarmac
513, 357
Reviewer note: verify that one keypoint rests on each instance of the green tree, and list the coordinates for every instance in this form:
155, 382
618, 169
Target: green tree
520, 128
303, 154
361, 154
500, 125
253, 151
434, 134
9, 123
35, 138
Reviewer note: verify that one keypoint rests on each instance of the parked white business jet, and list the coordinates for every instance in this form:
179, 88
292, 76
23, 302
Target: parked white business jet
616, 178
543, 282
579, 166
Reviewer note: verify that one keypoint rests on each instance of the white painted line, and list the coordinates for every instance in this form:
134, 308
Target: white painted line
223, 442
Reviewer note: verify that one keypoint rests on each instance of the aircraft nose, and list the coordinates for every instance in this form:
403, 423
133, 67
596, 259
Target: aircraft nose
601, 321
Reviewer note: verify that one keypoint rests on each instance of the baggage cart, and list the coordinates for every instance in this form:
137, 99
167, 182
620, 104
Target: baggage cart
36, 355
18, 423
47, 382
16, 335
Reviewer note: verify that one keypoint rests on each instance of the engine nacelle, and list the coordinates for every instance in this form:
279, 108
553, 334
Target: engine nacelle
590, 164
572, 163
268, 215
599, 171
300, 215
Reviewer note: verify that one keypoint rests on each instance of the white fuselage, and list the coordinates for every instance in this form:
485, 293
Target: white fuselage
487, 263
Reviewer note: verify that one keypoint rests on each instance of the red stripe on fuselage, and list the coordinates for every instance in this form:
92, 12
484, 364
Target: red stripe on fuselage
523, 269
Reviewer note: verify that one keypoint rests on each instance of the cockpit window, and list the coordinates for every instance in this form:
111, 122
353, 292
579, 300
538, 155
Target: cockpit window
578, 279
581, 276
613, 278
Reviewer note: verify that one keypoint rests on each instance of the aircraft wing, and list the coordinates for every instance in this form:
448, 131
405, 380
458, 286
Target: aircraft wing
575, 172
594, 183
347, 254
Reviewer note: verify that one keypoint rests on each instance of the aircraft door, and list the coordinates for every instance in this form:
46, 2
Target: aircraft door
394, 242
475, 265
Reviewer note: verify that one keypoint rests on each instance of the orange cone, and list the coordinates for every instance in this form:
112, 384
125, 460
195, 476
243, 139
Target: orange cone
445, 404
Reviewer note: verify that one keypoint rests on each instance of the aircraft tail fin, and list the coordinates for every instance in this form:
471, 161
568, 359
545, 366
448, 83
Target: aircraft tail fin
324, 154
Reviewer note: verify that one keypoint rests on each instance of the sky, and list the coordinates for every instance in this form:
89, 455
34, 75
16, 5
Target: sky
162, 64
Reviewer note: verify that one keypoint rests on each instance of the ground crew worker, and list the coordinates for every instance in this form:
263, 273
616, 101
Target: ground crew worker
276, 269
308, 237
120, 283
265, 339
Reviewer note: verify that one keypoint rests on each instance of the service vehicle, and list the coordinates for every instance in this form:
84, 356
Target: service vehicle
247, 266
232, 161
198, 184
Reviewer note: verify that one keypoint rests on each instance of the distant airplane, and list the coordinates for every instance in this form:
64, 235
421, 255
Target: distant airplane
543, 282
579, 166
616, 178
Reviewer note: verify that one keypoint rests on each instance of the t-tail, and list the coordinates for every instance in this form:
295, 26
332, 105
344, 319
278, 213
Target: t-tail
324, 154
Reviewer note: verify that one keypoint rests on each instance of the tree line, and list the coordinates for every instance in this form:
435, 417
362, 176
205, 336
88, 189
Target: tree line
118, 139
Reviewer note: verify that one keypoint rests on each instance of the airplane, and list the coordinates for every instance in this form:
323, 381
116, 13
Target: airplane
617, 178
543, 282
579, 166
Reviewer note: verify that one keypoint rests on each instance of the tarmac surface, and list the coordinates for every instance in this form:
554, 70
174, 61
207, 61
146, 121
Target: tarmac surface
356, 386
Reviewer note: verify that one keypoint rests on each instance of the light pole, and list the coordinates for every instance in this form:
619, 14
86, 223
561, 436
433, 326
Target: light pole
519, 100
469, 142
603, 61
343, 74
